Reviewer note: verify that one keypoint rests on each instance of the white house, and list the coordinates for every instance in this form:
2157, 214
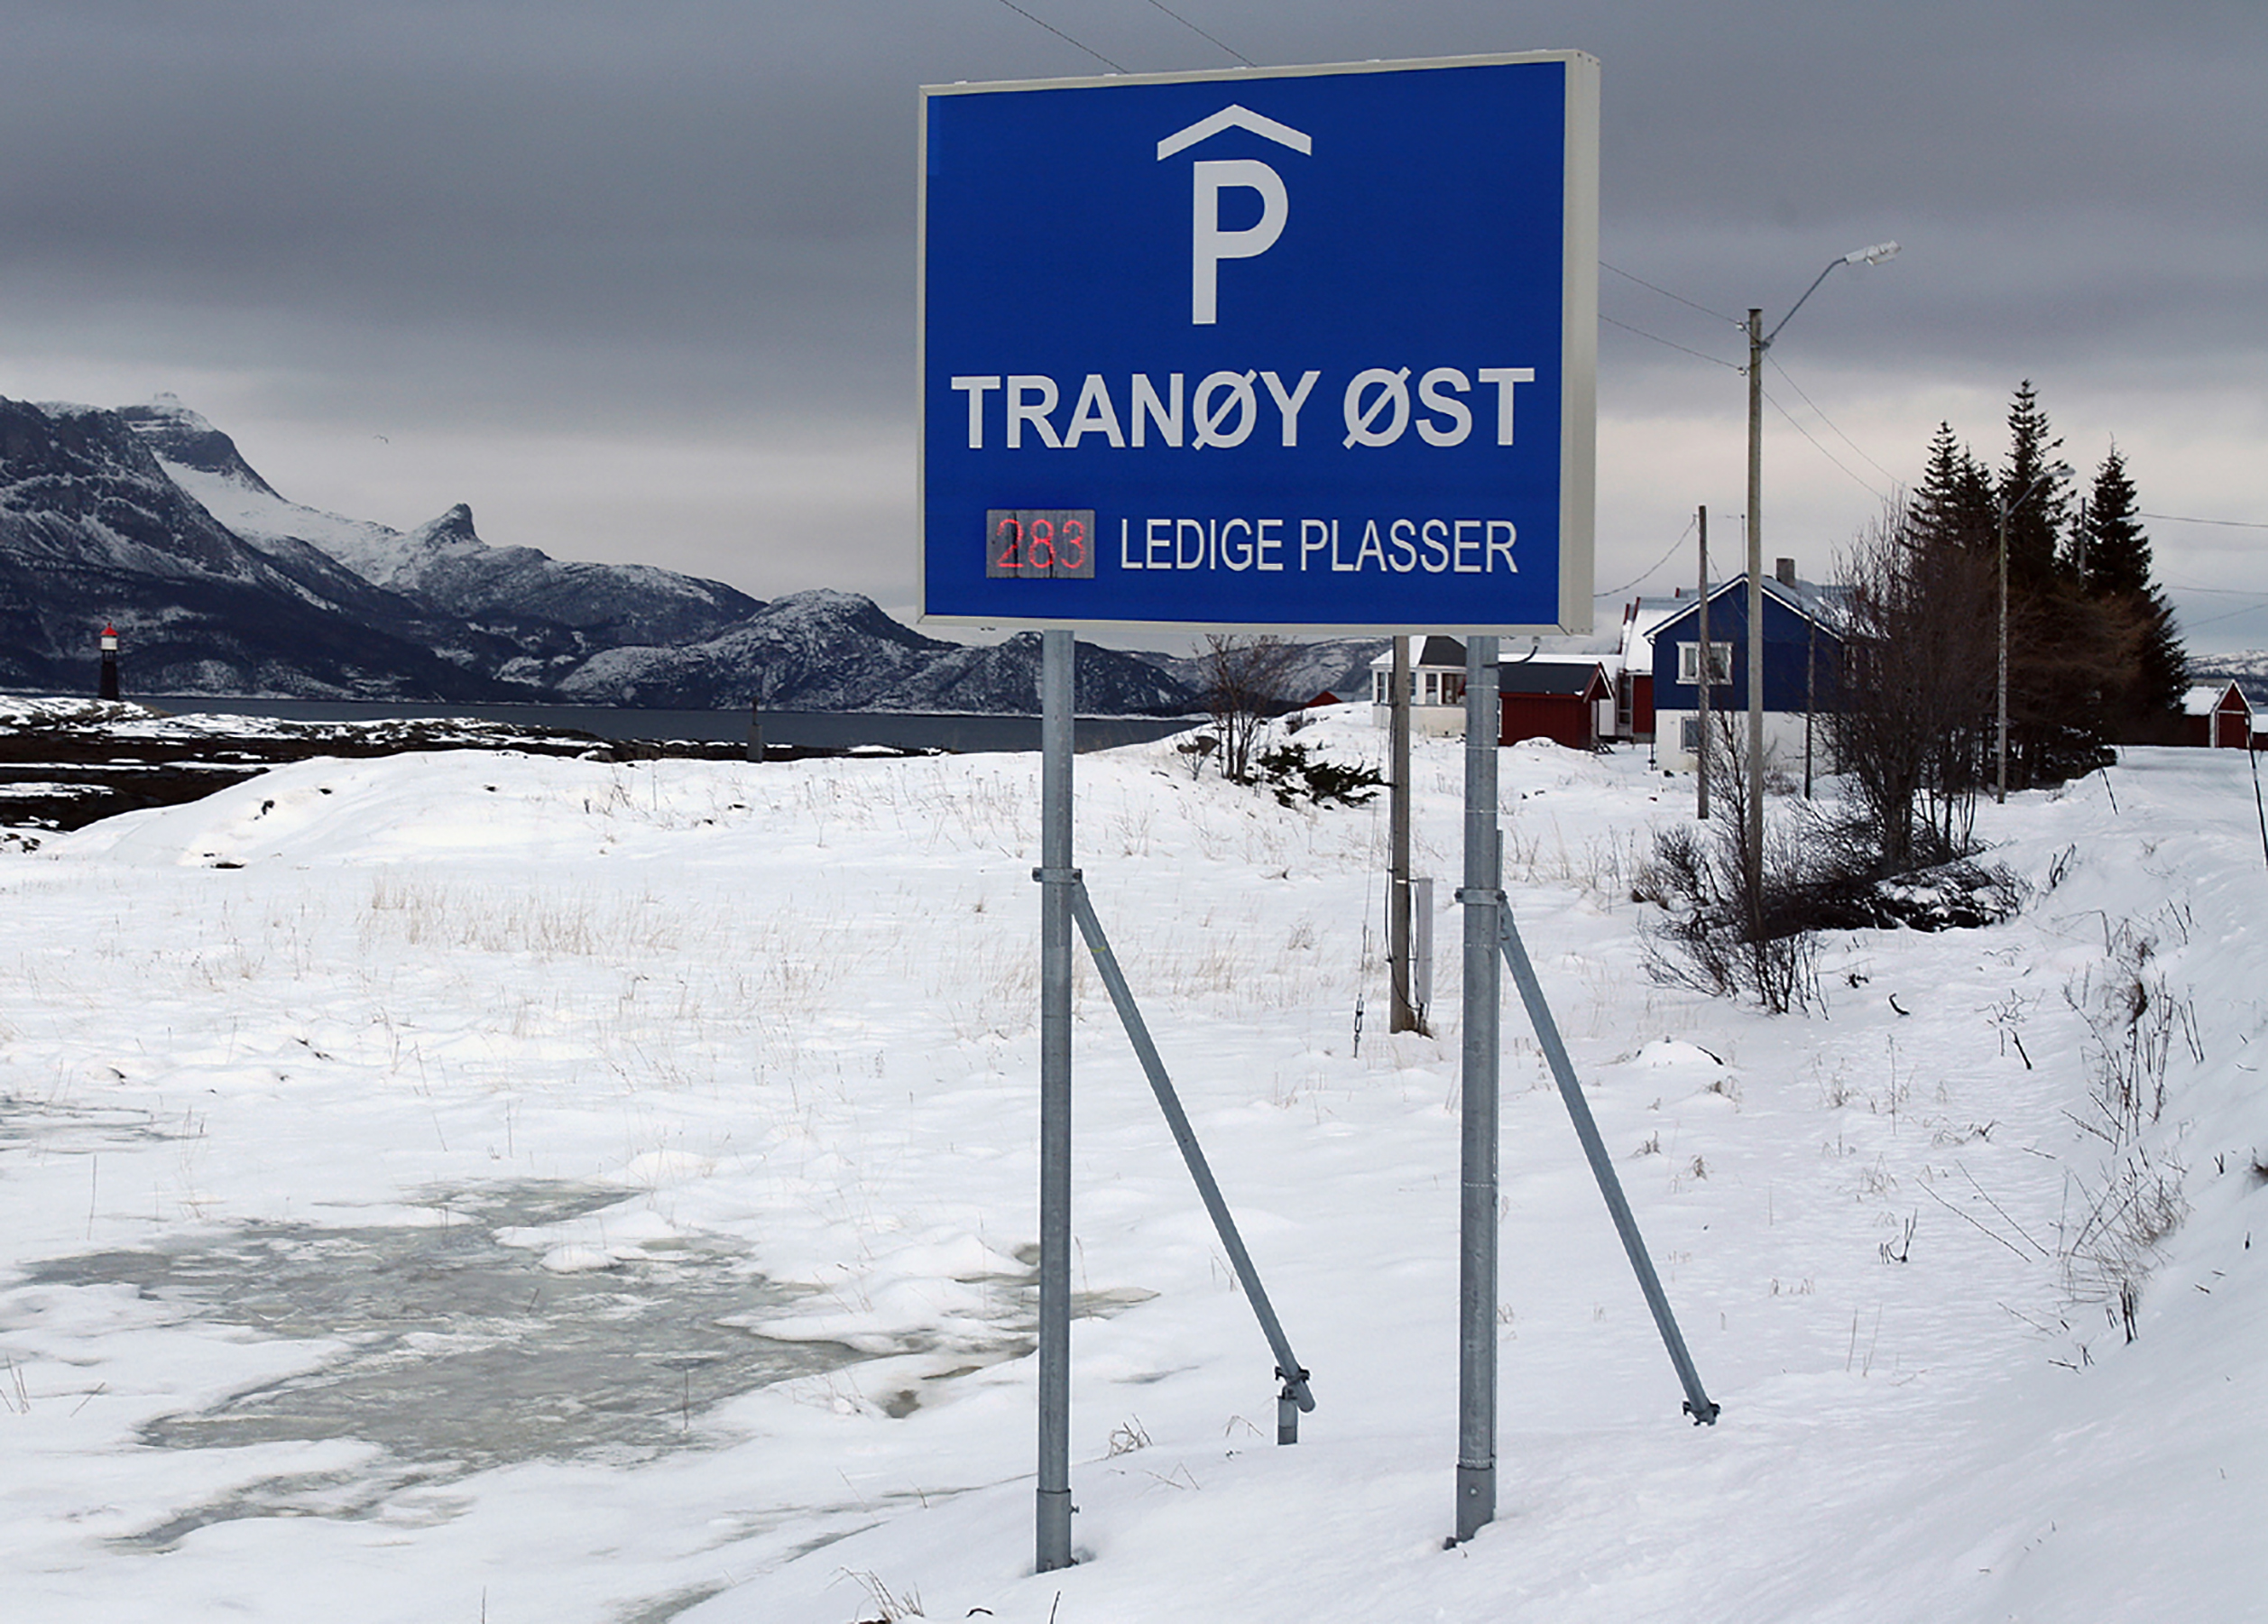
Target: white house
1437, 689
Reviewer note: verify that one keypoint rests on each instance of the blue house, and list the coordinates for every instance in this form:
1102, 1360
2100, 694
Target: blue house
1803, 661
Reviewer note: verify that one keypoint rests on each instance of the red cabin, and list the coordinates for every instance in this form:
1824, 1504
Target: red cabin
2217, 718
1566, 699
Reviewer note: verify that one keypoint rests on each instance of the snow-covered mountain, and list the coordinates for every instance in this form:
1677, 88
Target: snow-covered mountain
837, 651
1338, 665
810, 651
442, 563
150, 517
94, 529
2248, 671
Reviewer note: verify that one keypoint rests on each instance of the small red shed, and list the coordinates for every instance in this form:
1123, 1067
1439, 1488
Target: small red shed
2217, 718
1565, 699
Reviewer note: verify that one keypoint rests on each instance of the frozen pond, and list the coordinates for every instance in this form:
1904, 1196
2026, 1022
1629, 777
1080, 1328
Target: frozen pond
462, 1353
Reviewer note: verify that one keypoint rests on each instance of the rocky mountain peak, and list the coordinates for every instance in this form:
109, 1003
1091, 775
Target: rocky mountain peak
178, 435
452, 531
148, 516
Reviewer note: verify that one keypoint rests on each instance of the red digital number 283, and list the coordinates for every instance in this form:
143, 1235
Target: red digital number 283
1029, 543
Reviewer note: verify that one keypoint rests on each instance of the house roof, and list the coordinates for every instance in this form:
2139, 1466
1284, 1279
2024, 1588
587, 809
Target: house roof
1447, 654
1638, 623
1555, 674
2204, 698
1434, 653
1820, 605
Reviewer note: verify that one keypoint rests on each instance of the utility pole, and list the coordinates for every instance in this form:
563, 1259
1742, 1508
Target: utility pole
2000, 731
1810, 697
1402, 1016
1703, 673
1760, 341
1753, 834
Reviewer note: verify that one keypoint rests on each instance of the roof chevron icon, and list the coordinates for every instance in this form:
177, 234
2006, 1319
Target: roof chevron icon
1235, 117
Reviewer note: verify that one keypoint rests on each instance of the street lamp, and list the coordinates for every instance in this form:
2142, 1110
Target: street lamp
1760, 341
2007, 506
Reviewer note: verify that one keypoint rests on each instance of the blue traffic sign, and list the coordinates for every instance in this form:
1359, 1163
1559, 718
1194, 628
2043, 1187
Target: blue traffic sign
1303, 350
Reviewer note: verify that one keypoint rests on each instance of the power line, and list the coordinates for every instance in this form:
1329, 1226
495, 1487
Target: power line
2216, 591
1665, 558
2189, 625
2183, 519
1657, 338
1065, 37
1823, 418
1822, 450
1201, 33
1665, 293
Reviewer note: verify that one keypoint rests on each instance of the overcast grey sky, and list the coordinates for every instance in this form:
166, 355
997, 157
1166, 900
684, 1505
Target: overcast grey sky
636, 279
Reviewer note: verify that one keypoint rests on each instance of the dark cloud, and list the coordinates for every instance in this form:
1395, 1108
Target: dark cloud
691, 220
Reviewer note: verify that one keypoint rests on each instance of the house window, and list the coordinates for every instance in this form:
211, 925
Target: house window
1719, 661
1689, 734
1381, 683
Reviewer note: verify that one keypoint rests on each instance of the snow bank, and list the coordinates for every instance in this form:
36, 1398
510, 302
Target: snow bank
778, 1025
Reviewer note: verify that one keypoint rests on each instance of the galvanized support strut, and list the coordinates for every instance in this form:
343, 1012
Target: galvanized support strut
1295, 1396
1698, 1404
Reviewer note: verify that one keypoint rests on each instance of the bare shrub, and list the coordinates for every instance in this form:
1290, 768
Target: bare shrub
1243, 678
2135, 1023
1709, 939
1913, 709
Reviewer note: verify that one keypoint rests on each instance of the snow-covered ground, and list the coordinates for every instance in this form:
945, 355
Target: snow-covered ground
466, 1186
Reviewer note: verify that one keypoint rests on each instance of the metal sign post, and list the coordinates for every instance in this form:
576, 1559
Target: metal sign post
1403, 1016
1295, 1396
1057, 880
1482, 897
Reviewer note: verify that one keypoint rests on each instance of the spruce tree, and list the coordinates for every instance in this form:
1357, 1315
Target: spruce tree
1953, 505
2085, 665
2066, 655
2111, 553
1975, 508
2036, 518
1933, 591
2114, 555
1930, 513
